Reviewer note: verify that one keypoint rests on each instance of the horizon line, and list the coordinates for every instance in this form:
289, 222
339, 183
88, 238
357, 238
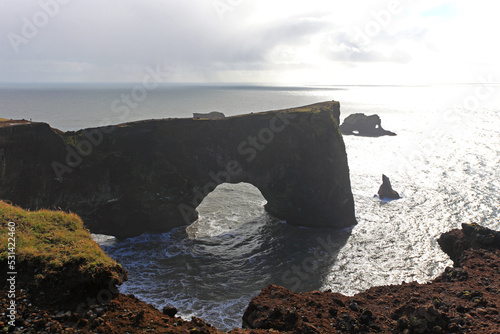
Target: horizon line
257, 84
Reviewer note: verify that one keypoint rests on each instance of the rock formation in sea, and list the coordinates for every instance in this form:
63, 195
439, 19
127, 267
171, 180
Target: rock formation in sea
363, 125
151, 175
385, 191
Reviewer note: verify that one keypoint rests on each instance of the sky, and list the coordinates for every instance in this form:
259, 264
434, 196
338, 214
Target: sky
323, 42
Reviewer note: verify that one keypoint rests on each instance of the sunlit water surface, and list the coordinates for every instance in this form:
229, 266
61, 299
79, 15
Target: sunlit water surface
444, 162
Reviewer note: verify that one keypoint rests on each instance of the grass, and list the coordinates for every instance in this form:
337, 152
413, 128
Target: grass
52, 241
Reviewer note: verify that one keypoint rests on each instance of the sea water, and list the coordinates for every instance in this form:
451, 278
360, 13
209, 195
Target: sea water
444, 162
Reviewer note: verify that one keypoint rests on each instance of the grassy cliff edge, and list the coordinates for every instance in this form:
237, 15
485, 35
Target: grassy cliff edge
54, 247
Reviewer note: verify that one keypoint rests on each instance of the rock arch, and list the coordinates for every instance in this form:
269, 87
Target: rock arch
227, 207
151, 175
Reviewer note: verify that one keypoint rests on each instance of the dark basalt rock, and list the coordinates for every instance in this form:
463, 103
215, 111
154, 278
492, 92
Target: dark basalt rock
363, 125
385, 191
151, 175
456, 242
464, 299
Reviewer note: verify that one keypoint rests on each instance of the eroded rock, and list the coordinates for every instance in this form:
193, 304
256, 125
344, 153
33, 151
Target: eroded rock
151, 175
385, 191
456, 242
363, 125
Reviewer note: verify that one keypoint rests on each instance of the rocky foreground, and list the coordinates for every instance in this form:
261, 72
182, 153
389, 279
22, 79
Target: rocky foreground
464, 299
37, 313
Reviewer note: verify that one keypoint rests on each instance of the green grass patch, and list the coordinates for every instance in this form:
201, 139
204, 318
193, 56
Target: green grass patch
52, 241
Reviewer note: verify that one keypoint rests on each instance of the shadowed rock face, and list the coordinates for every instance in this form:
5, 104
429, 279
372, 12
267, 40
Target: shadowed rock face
363, 125
151, 175
456, 242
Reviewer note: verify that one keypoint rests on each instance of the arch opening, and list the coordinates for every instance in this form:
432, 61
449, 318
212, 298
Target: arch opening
227, 207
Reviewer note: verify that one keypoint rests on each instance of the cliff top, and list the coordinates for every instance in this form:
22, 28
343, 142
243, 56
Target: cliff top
10, 122
49, 243
328, 106
314, 108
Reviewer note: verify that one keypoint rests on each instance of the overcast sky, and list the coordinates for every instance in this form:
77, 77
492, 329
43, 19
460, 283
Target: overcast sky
272, 41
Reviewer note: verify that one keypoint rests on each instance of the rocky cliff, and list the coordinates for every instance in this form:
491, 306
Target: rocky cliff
463, 299
151, 175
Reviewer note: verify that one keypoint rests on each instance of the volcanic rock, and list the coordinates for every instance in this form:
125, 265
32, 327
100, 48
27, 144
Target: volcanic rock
385, 191
456, 242
452, 303
363, 125
151, 175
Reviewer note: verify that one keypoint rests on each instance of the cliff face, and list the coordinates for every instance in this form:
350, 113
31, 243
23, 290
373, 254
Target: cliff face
26, 153
151, 175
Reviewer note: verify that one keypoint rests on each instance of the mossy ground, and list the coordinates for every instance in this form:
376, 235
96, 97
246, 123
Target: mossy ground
52, 241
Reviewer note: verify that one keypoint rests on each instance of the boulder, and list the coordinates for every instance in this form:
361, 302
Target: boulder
456, 242
363, 125
385, 191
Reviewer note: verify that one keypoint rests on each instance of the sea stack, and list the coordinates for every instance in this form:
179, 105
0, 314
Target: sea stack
365, 126
385, 191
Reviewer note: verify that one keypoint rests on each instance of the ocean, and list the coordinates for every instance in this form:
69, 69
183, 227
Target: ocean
444, 162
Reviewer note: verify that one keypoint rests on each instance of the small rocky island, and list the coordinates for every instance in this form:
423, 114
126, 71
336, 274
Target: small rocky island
385, 191
363, 125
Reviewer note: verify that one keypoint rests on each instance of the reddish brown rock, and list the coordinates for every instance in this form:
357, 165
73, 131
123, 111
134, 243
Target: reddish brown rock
464, 299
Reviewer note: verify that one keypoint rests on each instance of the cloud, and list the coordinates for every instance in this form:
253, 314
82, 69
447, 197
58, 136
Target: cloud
445, 10
115, 40
187, 35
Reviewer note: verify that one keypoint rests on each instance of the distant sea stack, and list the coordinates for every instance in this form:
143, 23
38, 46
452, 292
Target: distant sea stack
151, 175
385, 191
363, 125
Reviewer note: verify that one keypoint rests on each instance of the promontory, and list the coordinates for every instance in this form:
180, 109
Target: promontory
151, 175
